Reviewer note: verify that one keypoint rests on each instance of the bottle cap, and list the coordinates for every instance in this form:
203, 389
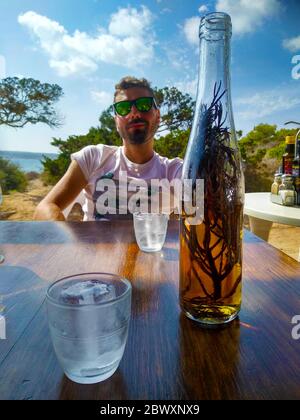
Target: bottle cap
290, 139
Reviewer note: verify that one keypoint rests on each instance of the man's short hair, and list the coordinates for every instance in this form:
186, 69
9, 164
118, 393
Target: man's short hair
132, 82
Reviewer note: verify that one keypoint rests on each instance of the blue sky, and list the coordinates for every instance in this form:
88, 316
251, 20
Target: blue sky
86, 46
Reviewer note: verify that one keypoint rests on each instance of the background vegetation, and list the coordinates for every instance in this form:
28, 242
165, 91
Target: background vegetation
261, 149
24, 101
11, 177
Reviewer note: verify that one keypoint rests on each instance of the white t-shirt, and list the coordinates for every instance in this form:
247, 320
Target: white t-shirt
103, 164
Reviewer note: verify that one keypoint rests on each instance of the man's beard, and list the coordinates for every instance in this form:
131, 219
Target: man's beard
138, 136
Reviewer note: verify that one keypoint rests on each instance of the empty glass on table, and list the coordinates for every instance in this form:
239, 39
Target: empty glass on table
150, 230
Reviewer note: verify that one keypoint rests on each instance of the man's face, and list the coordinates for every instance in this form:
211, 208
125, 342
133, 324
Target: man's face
137, 127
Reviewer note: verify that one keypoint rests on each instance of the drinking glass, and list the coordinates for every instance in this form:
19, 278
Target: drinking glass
150, 230
89, 317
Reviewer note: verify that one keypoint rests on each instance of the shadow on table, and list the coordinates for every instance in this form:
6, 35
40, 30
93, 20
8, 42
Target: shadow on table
33, 233
169, 254
113, 388
209, 359
15, 281
22, 293
51, 233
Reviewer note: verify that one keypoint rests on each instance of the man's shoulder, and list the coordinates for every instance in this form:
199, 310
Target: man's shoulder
108, 150
100, 150
103, 148
94, 156
172, 167
169, 162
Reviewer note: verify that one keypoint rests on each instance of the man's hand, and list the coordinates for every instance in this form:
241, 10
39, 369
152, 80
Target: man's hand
62, 195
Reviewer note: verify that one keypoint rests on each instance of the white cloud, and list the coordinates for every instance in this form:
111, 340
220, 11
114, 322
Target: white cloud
203, 9
248, 15
49, 32
191, 30
41, 25
266, 103
128, 37
73, 65
129, 22
103, 98
292, 44
188, 86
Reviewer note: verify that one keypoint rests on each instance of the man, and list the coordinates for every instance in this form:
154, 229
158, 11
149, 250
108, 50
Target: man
137, 119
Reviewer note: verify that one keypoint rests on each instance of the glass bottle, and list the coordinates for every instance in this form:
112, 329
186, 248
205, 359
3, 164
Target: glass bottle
296, 169
211, 251
287, 191
288, 157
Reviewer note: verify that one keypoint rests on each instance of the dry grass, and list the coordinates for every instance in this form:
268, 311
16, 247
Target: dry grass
21, 206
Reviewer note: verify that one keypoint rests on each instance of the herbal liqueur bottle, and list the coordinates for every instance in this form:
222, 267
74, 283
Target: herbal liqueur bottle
211, 251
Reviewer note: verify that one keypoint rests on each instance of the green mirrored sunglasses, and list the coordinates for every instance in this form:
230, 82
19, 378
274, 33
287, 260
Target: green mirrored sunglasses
142, 105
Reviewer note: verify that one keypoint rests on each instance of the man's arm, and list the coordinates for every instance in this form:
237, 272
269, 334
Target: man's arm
62, 195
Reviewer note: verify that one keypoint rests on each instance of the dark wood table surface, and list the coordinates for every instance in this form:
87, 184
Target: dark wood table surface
167, 356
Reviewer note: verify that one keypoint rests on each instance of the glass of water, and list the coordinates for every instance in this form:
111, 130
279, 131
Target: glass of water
150, 230
89, 318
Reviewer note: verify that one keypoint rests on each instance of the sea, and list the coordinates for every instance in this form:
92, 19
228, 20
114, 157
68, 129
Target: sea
27, 161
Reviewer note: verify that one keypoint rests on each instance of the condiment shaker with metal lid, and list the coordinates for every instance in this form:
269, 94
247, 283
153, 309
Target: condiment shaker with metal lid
276, 184
287, 190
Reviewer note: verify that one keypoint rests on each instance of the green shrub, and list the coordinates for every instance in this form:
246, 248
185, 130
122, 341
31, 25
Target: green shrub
262, 150
32, 175
11, 177
173, 144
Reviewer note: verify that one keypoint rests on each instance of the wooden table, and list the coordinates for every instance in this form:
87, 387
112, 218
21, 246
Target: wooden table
167, 356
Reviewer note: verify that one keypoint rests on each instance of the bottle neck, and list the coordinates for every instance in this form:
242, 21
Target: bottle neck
214, 76
214, 67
